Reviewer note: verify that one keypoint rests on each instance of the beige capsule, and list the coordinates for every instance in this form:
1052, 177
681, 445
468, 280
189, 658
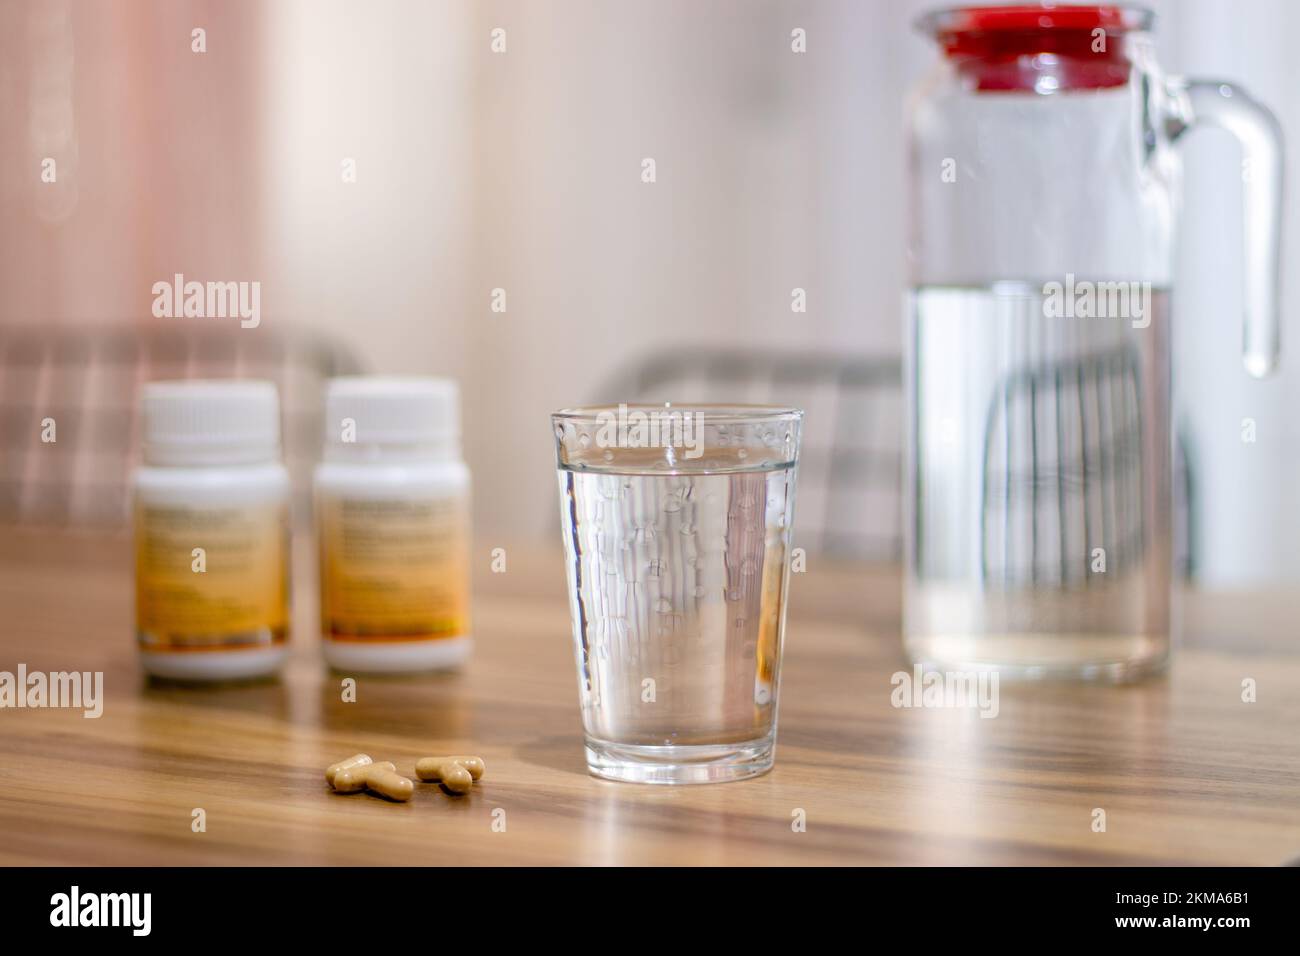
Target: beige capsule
356, 760
473, 764
354, 778
390, 784
456, 779
431, 768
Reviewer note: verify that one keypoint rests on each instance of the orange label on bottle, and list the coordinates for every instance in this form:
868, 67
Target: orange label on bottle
211, 578
393, 569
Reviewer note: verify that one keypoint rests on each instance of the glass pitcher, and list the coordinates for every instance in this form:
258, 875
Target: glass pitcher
1044, 192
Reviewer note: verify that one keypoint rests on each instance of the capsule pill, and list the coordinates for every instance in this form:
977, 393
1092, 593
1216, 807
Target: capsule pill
390, 784
456, 773
354, 778
356, 760
471, 763
431, 768
457, 779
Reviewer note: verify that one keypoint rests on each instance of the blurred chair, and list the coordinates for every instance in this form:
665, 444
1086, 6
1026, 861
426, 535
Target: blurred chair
86, 379
1064, 468
850, 466
849, 500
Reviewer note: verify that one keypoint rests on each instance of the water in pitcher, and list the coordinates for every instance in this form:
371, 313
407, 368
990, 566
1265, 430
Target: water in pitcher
1040, 468
678, 586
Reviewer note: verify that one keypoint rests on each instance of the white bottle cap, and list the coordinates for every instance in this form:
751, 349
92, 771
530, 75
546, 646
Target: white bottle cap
210, 422
384, 410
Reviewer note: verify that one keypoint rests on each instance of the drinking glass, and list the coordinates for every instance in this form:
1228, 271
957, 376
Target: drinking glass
676, 522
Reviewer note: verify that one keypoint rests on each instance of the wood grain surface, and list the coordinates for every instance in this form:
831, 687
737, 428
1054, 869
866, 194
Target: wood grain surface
1186, 772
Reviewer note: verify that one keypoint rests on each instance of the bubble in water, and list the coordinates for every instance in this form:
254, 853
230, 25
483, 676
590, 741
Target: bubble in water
584, 440
699, 590
742, 453
663, 605
609, 455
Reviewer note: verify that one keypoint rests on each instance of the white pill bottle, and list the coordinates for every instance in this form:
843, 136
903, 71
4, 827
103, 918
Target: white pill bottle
211, 531
392, 523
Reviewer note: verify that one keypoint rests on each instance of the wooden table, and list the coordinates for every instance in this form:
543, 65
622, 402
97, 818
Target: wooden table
1186, 772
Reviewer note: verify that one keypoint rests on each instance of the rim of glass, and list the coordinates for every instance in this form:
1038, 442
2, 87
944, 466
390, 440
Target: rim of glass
708, 413
1131, 17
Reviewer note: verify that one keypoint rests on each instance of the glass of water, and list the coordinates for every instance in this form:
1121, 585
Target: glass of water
676, 522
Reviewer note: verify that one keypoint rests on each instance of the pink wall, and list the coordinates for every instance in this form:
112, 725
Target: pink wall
157, 153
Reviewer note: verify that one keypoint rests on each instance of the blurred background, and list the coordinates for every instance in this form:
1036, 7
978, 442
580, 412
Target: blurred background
381, 170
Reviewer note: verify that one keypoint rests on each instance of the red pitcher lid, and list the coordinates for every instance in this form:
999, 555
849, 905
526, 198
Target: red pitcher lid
1041, 47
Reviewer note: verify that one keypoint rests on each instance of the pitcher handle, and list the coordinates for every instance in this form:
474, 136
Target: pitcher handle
1226, 106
